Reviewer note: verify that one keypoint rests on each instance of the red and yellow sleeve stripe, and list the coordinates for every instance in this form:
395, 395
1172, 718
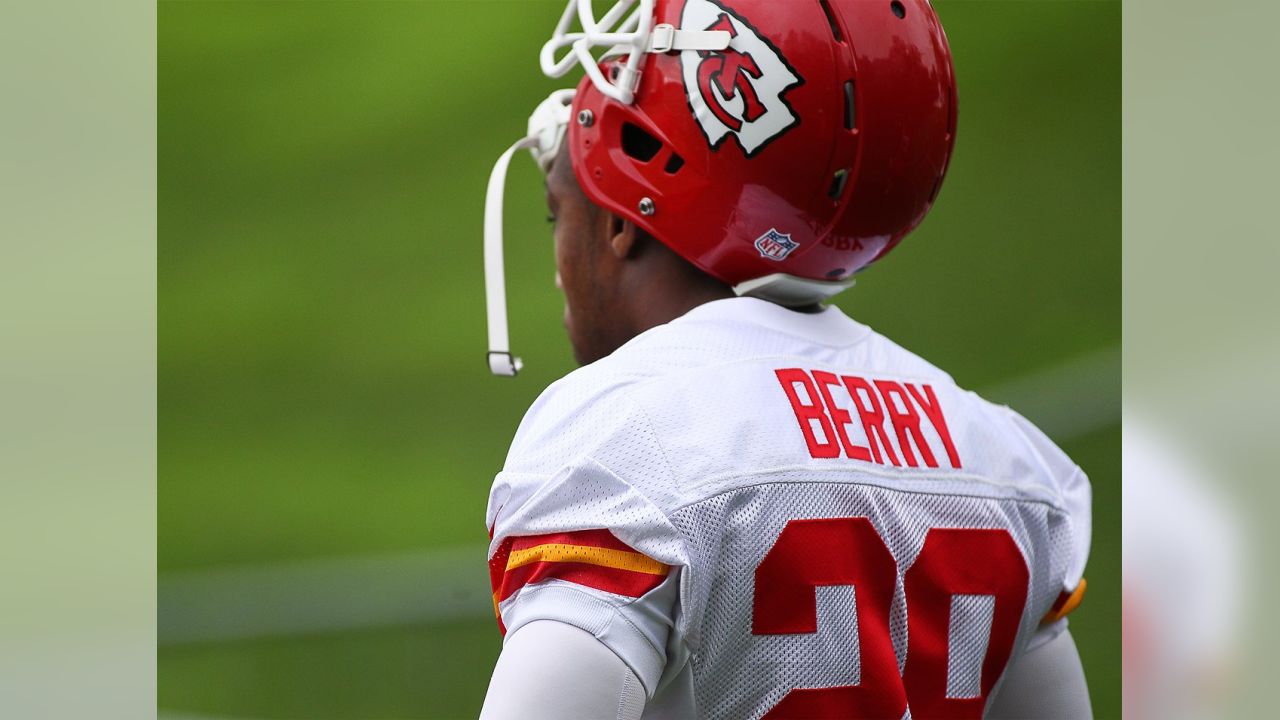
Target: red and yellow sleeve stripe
592, 558
1066, 602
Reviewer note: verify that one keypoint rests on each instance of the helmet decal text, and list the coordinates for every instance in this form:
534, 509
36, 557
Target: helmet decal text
740, 91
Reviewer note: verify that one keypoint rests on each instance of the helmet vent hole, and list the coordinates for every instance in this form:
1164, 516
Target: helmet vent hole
674, 163
831, 20
639, 144
850, 115
899, 10
838, 182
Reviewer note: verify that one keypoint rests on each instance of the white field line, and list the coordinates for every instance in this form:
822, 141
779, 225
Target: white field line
1067, 401
171, 715
296, 598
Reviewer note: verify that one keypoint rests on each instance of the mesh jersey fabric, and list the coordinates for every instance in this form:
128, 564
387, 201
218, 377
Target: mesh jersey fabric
686, 456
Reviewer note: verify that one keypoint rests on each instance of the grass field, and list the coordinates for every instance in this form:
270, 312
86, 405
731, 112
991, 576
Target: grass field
322, 388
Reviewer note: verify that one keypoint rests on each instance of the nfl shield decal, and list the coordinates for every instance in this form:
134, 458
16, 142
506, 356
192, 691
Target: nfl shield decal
775, 245
738, 92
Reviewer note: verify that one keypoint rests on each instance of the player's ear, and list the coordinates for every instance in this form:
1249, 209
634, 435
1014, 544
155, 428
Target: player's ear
623, 237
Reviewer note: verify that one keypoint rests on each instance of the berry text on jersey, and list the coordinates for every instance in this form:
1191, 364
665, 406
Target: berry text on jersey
835, 412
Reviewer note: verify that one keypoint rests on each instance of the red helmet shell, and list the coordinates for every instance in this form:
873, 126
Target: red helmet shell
810, 147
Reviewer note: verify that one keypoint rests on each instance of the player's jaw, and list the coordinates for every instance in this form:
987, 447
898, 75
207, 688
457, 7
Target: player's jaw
580, 272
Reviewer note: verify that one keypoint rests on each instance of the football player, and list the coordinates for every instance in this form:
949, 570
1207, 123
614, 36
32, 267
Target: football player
746, 504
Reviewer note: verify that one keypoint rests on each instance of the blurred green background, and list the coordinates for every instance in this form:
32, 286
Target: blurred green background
328, 428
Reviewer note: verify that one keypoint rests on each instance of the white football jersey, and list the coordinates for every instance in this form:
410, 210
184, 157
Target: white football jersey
767, 513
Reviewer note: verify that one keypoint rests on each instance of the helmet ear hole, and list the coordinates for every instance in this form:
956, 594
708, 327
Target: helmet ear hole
674, 163
639, 144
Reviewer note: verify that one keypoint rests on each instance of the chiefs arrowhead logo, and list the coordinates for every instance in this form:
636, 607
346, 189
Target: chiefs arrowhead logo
740, 91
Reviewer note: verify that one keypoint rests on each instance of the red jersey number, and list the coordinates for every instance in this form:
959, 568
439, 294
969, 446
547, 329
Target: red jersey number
849, 551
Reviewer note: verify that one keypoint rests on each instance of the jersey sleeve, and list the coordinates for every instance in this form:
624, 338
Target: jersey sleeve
576, 534
1076, 502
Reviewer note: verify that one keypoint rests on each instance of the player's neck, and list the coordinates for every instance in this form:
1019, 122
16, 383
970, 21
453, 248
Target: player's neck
666, 287
661, 308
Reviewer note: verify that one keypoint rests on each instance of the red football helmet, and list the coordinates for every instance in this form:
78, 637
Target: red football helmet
779, 146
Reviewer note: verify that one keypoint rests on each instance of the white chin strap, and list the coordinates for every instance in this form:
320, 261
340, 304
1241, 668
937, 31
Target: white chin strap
547, 128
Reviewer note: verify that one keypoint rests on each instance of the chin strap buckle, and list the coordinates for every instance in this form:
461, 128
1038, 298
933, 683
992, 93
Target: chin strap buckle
504, 364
